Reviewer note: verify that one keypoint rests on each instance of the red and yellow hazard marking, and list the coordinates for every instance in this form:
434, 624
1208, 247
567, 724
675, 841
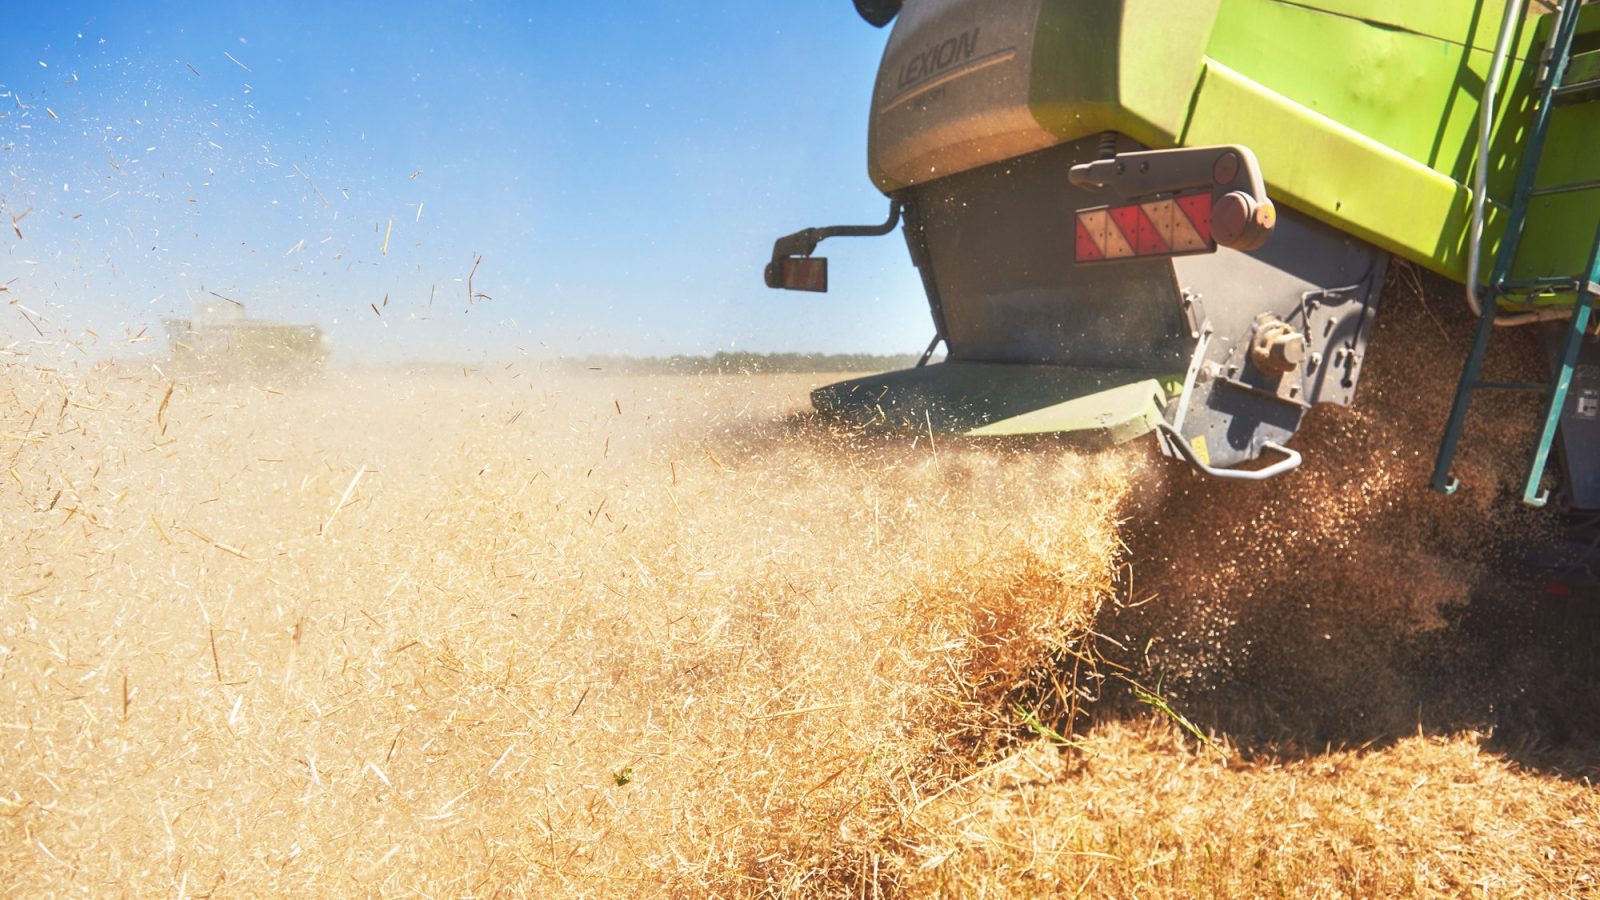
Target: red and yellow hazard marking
1169, 227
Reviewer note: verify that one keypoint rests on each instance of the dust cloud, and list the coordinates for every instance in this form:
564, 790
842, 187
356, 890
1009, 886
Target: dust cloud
441, 629
1347, 600
462, 630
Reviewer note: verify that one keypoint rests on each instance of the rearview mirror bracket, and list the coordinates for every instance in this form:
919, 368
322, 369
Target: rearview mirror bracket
793, 268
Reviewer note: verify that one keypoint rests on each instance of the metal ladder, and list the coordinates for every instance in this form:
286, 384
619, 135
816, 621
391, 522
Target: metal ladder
1585, 285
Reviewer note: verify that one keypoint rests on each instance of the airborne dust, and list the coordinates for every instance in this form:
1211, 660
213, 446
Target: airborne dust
472, 631
513, 630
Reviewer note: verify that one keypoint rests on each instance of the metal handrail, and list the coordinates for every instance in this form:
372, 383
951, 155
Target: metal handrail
1291, 459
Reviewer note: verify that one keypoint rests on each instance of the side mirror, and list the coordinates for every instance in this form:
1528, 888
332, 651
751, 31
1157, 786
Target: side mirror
878, 13
798, 273
793, 268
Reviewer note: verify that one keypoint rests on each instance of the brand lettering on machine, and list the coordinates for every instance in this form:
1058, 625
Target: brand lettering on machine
938, 58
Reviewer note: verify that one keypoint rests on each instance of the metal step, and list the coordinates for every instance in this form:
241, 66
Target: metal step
1583, 74
1569, 188
1559, 284
1528, 386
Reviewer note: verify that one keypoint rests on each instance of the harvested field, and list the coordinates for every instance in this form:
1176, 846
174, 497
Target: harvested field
456, 634
511, 632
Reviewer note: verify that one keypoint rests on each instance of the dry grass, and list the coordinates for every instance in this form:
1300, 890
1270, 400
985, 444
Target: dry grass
510, 633
461, 635
1136, 814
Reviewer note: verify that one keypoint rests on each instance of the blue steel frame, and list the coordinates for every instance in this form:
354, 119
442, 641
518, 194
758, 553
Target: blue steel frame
1586, 286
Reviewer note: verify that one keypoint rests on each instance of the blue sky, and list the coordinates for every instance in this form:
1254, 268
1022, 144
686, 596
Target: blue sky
620, 168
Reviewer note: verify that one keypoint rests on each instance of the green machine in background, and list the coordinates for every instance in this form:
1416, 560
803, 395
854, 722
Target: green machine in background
221, 339
1174, 216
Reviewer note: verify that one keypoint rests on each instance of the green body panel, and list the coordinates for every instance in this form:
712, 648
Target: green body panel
1584, 67
273, 345
1128, 66
251, 345
1363, 113
1367, 119
988, 399
1415, 94
1335, 173
1112, 415
1447, 21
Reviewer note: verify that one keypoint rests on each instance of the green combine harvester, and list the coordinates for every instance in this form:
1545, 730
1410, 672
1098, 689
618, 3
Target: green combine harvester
1174, 216
221, 339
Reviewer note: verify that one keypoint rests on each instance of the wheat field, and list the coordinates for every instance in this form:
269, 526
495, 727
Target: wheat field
458, 634
514, 632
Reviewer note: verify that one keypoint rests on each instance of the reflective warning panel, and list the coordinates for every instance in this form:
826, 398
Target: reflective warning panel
1172, 226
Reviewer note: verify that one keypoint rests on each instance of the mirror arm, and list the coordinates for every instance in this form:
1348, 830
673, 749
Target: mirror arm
805, 241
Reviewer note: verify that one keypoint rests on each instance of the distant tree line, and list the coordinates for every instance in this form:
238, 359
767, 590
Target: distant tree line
742, 363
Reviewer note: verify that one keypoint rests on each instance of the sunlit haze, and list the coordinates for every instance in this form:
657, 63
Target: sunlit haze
621, 171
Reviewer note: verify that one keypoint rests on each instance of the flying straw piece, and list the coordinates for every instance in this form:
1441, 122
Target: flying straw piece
503, 755
444, 811
235, 61
225, 548
349, 489
397, 582
313, 186
23, 311
231, 550
161, 411
388, 231
16, 221
803, 710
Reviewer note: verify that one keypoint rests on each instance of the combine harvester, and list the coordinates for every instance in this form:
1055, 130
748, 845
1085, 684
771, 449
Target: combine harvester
1174, 216
222, 339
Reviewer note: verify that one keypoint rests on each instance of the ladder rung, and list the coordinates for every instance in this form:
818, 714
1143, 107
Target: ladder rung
1576, 88
1583, 73
1510, 386
1566, 188
1534, 285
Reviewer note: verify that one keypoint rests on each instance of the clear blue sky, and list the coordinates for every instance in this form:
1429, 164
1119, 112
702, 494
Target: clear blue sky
621, 168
